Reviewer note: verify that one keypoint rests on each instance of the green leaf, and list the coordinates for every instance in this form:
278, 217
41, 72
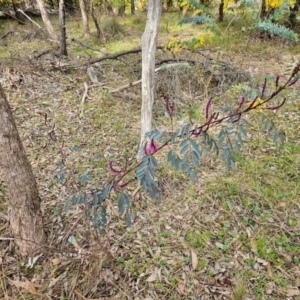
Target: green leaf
170, 156
123, 203
195, 147
184, 149
174, 136
221, 140
184, 143
242, 130
239, 138
128, 220
195, 160
185, 168
237, 146
193, 175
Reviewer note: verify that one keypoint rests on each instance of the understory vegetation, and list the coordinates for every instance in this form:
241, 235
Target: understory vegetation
232, 234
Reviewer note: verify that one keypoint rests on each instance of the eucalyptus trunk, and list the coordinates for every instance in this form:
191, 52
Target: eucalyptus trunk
46, 20
149, 39
25, 215
85, 21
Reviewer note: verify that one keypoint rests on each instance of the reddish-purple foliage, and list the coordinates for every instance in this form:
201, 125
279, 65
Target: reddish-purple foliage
125, 184
277, 106
113, 169
251, 104
208, 105
277, 81
264, 87
150, 148
241, 103
198, 132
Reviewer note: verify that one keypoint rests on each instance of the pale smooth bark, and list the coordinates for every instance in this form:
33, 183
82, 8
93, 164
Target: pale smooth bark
149, 39
85, 21
46, 20
25, 216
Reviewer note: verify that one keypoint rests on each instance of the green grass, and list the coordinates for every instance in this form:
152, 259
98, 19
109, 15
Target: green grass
240, 220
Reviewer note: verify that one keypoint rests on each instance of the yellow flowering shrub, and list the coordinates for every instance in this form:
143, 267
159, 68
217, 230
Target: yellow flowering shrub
227, 3
277, 3
175, 45
197, 12
142, 5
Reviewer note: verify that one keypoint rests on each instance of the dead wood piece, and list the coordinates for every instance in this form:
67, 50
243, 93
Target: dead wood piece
94, 72
6, 35
106, 57
38, 54
86, 88
36, 24
163, 67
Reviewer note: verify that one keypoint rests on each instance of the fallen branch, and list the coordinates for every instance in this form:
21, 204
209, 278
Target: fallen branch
37, 54
6, 34
22, 12
107, 57
163, 67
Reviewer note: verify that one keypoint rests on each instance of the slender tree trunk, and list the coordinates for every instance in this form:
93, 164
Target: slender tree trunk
25, 215
62, 25
132, 7
169, 4
69, 6
46, 20
263, 9
121, 9
85, 22
293, 14
19, 16
221, 11
95, 19
108, 8
149, 39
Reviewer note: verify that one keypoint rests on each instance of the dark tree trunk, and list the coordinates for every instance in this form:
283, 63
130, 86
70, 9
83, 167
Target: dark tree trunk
25, 216
169, 4
132, 7
204, 2
19, 16
121, 10
263, 10
95, 19
69, 6
221, 11
62, 25
108, 8
293, 14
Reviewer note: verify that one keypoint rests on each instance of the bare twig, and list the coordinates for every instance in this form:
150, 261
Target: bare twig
86, 88
6, 34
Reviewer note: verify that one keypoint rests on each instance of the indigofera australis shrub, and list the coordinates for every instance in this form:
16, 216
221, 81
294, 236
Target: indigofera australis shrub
186, 146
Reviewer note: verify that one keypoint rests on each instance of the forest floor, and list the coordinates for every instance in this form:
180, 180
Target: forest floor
235, 234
